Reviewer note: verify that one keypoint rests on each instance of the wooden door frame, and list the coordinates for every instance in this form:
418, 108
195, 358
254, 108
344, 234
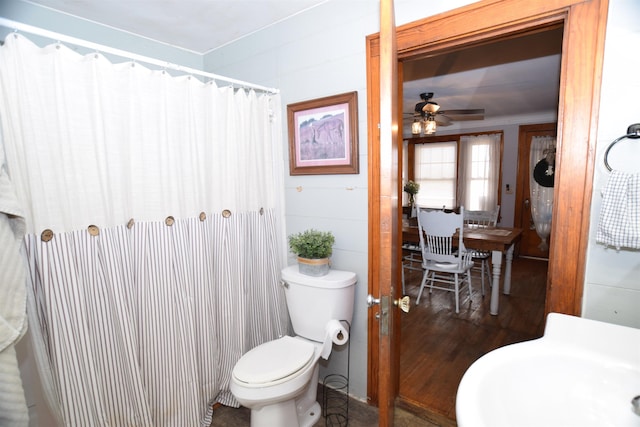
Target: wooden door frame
581, 71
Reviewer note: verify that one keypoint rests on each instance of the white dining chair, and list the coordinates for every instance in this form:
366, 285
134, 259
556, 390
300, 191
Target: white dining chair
445, 262
482, 219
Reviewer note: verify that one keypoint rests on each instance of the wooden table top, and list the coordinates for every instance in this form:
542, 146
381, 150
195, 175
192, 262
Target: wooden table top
485, 239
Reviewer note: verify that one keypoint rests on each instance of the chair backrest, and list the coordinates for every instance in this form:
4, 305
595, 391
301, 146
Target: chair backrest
481, 218
437, 229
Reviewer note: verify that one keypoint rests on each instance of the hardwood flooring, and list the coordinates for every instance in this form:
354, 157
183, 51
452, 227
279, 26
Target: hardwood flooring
438, 345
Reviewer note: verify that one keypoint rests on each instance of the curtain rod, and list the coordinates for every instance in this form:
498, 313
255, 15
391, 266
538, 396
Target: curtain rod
18, 26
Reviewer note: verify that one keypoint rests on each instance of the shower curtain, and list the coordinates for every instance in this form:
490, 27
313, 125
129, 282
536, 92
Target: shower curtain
154, 242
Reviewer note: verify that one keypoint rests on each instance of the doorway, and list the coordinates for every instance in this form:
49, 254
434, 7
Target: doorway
457, 340
530, 243
479, 23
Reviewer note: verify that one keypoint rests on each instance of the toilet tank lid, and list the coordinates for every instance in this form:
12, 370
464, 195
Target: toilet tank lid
334, 279
273, 360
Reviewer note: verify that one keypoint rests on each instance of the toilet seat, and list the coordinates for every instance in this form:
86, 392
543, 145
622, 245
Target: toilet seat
274, 361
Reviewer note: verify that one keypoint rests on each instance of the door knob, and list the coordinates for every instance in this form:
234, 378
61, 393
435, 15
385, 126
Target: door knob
404, 303
371, 301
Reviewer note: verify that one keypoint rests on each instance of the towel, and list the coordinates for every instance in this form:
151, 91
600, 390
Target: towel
13, 323
619, 224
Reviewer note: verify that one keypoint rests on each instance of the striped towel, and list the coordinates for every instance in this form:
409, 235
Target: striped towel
13, 321
619, 224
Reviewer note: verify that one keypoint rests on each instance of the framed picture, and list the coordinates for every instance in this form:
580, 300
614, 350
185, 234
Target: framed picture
323, 135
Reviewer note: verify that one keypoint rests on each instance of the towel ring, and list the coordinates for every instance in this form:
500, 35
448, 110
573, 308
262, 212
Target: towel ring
633, 132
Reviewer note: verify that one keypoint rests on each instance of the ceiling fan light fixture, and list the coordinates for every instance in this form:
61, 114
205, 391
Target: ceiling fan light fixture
416, 127
430, 125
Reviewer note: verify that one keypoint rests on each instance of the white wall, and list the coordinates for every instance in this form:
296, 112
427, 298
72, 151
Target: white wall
313, 55
612, 284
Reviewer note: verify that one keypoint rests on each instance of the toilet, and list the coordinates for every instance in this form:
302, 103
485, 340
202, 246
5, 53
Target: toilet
278, 380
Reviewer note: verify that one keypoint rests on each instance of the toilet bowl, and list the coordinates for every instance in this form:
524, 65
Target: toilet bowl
278, 380
270, 377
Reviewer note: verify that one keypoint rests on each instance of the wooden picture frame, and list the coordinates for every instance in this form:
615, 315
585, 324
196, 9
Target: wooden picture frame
323, 135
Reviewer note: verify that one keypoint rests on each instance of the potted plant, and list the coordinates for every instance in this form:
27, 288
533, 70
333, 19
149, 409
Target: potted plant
313, 248
412, 188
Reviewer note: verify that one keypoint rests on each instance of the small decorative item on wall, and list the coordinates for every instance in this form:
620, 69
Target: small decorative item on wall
323, 135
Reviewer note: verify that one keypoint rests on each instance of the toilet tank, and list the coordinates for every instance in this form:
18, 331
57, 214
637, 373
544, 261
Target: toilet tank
314, 301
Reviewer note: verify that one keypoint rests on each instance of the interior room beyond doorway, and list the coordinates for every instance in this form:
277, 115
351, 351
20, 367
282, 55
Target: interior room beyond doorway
449, 343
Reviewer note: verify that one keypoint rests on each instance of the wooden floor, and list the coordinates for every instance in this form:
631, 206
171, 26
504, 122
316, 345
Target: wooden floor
438, 345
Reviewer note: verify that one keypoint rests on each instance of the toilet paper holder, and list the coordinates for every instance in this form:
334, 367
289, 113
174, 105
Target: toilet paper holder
335, 399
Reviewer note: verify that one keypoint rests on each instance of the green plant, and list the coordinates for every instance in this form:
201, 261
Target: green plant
312, 244
412, 187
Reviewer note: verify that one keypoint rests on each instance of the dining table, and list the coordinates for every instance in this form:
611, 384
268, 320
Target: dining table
498, 240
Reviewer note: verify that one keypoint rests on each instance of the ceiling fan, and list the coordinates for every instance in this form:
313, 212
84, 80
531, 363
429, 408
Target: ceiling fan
429, 112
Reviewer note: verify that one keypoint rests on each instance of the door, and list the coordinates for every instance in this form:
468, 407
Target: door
530, 241
386, 314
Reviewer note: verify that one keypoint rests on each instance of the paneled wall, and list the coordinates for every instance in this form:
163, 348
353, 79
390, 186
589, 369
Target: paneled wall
612, 288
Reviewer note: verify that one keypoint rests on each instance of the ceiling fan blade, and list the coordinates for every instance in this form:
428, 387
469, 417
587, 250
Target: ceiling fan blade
442, 120
473, 112
464, 115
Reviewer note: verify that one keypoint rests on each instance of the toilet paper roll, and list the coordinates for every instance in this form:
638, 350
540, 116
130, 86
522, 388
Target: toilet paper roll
335, 332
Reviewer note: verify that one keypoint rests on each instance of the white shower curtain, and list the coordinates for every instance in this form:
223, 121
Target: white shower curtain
163, 197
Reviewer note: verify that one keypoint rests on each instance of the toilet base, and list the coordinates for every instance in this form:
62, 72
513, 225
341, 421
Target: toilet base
278, 414
284, 414
311, 416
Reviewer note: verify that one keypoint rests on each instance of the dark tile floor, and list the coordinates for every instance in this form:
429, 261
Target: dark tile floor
360, 415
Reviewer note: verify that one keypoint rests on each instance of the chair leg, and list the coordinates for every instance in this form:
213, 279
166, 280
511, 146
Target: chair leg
490, 279
425, 274
482, 275
403, 291
433, 280
457, 292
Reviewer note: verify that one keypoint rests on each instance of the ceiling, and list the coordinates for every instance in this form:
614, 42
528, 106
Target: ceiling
195, 25
514, 77
518, 76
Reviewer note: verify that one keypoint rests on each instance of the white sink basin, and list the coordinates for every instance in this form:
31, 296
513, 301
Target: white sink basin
580, 373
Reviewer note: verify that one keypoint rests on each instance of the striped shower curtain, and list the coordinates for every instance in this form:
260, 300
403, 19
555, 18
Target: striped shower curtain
155, 238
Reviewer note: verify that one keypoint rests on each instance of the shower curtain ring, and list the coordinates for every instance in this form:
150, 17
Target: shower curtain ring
46, 235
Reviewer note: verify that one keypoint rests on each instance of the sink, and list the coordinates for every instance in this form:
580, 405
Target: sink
580, 373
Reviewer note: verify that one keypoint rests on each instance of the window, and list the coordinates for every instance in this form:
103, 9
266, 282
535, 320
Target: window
457, 170
479, 171
436, 172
